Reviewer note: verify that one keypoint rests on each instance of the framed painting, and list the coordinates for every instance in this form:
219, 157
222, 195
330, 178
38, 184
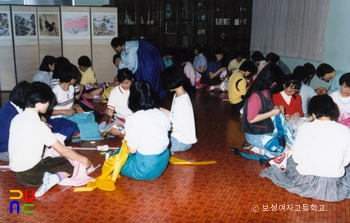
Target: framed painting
75, 25
24, 24
49, 25
104, 25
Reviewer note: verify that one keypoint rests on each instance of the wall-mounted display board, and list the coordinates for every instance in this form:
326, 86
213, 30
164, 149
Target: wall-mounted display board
104, 27
7, 64
76, 39
29, 33
49, 22
25, 35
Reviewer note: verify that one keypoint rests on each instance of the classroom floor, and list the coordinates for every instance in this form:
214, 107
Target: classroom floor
229, 191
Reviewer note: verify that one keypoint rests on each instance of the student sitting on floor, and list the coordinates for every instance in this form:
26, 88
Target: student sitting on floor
64, 92
273, 58
106, 93
46, 68
146, 134
116, 61
215, 70
261, 121
29, 135
306, 92
342, 99
289, 97
92, 89
319, 166
236, 62
327, 73
183, 133
237, 85
13, 107
117, 105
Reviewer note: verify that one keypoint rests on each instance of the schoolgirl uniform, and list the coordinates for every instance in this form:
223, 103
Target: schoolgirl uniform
147, 130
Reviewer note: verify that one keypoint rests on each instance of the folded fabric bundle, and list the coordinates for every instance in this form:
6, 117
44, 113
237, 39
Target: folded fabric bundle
87, 125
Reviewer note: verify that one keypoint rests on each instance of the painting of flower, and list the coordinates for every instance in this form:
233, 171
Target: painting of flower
75, 25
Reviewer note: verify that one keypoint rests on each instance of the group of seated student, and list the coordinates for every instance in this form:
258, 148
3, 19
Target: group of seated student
18, 118
53, 93
312, 169
263, 90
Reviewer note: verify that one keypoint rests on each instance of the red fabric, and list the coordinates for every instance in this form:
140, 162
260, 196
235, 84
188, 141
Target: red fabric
293, 107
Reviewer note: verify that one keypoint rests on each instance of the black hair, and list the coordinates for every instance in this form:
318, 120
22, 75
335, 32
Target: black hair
84, 61
60, 62
116, 56
68, 72
141, 96
249, 65
269, 75
345, 78
321, 105
324, 69
272, 58
199, 48
117, 41
219, 51
18, 93
125, 74
173, 77
257, 56
301, 72
39, 92
47, 60
310, 68
311, 71
292, 79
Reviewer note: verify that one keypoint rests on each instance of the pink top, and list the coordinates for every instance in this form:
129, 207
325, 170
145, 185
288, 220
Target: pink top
254, 105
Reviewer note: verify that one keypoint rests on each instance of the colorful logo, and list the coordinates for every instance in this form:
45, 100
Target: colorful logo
15, 201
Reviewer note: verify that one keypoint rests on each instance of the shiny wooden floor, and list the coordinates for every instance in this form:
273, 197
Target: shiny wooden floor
229, 191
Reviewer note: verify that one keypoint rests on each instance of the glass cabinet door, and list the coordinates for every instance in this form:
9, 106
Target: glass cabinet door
127, 19
186, 19
171, 23
149, 21
202, 19
222, 25
242, 24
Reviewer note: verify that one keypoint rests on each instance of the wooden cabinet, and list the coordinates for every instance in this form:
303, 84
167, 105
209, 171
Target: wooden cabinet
181, 23
231, 26
149, 21
171, 32
213, 24
139, 19
177, 24
127, 19
202, 23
